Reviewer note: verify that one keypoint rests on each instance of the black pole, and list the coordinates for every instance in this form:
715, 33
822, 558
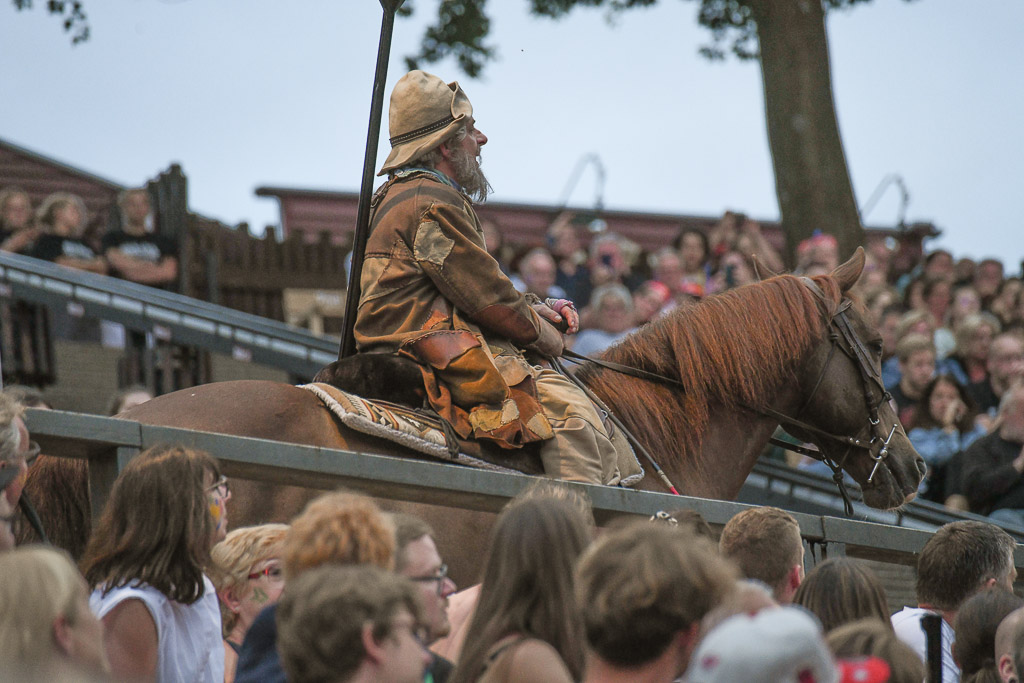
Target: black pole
380, 77
931, 624
32, 517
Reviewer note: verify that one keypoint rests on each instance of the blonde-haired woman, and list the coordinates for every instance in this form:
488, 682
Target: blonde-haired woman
46, 629
247, 573
62, 218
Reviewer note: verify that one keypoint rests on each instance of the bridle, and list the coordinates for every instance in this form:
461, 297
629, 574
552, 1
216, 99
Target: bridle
842, 337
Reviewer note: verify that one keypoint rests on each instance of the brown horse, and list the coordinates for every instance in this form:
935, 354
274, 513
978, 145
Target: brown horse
744, 356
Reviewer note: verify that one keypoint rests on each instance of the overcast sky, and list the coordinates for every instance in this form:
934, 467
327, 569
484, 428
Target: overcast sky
246, 93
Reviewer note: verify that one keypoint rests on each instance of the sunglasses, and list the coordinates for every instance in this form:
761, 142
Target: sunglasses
272, 573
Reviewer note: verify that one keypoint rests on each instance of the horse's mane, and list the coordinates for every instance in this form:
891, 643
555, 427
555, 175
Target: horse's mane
735, 347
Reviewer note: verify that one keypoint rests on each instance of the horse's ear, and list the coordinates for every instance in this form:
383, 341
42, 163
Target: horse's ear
848, 273
761, 271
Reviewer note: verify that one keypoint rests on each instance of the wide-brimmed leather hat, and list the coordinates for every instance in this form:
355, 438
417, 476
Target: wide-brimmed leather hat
424, 111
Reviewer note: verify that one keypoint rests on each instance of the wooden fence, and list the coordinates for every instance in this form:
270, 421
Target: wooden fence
26, 350
233, 268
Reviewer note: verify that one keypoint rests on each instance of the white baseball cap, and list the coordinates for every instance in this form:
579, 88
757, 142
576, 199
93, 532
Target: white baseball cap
777, 645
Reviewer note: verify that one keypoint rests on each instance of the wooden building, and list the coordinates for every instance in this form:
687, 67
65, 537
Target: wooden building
309, 213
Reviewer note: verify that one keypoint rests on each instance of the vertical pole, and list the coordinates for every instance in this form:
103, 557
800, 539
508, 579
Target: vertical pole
931, 624
348, 342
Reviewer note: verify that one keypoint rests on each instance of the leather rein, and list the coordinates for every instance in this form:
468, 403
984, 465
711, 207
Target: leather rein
839, 331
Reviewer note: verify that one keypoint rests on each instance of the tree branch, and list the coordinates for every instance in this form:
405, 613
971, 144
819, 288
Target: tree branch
75, 21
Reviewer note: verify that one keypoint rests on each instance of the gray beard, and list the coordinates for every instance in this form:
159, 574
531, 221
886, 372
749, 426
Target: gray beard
469, 176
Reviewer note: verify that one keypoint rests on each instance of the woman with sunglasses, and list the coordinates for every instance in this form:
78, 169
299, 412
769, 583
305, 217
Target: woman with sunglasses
248, 576
145, 561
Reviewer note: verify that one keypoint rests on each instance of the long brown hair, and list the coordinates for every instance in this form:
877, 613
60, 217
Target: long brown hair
923, 416
872, 638
842, 590
528, 584
975, 624
156, 527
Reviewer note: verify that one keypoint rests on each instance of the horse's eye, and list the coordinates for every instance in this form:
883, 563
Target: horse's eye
876, 346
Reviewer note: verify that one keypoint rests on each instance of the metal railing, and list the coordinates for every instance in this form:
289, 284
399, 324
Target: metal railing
170, 316
774, 483
108, 444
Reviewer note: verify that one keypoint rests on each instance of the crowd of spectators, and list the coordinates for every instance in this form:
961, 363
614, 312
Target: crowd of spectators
346, 592
161, 591
63, 231
60, 230
959, 305
953, 358
952, 333
618, 287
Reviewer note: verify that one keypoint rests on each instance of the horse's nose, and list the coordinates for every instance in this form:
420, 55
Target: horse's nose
922, 467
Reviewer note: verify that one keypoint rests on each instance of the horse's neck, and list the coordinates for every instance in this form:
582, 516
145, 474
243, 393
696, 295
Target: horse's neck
722, 458
731, 445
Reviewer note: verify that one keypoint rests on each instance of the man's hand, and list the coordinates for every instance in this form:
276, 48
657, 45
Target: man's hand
562, 313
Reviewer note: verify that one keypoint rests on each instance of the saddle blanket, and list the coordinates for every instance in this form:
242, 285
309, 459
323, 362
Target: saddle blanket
416, 430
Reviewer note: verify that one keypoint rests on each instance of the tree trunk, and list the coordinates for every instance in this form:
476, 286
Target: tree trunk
812, 181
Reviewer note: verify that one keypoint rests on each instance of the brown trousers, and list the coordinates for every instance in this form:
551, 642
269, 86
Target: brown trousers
581, 449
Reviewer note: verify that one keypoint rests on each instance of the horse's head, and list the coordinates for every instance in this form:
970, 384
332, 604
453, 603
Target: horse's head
850, 415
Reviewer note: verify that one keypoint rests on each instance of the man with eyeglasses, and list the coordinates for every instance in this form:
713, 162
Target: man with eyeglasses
354, 624
417, 559
1005, 368
338, 528
993, 474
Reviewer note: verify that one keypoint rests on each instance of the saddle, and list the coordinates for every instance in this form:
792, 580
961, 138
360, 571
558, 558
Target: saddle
386, 379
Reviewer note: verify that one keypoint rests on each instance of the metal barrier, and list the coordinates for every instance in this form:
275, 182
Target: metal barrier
170, 316
774, 483
108, 444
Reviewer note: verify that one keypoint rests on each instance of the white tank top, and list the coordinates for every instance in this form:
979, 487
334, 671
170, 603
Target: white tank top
189, 647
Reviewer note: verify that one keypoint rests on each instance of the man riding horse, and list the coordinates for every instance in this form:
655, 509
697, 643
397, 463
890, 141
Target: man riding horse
431, 292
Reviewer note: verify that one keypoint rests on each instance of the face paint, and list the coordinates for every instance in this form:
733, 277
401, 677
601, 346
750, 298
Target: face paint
217, 514
259, 596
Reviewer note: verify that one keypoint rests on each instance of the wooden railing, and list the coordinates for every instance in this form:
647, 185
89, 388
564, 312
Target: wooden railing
26, 350
233, 268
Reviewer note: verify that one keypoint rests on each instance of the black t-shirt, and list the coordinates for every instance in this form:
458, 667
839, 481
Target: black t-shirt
51, 247
983, 396
25, 248
149, 248
989, 478
906, 407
